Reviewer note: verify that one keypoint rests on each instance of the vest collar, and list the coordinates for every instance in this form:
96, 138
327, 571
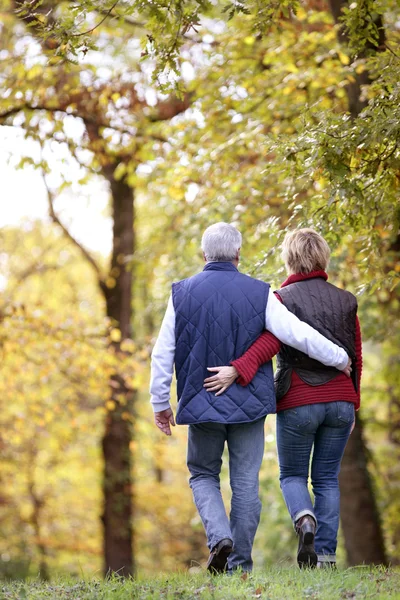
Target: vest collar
302, 276
220, 266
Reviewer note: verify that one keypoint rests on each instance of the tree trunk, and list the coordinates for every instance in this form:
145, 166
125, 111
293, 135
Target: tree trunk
118, 505
354, 88
361, 524
390, 305
360, 518
36, 517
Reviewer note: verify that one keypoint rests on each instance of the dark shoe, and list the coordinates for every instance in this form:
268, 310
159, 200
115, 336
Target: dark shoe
326, 565
306, 555
218, 559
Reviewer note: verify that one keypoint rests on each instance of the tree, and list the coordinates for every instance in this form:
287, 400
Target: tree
54, 370
112, 150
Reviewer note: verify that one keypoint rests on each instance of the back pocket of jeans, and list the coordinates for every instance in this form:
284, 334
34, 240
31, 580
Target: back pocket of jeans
298, 417
345, 412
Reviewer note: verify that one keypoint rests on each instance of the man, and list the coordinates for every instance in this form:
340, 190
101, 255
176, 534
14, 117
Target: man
210, 320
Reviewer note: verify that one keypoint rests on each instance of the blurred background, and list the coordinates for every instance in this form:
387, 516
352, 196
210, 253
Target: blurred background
125, 130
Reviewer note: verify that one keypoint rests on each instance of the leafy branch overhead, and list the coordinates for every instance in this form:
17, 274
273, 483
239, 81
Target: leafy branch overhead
69, 30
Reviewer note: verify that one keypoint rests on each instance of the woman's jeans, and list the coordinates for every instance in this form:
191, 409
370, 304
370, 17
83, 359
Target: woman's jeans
326, 427
246, 449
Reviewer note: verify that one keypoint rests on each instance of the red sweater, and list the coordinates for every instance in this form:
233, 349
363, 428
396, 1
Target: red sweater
267, 345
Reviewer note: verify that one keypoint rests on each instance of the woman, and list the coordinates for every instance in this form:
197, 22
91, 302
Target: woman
316, 404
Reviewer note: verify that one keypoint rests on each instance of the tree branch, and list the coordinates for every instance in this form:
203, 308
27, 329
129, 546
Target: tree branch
107, 14
85, 253
125, 18
16, 109
391, 50
34, 268
163, 115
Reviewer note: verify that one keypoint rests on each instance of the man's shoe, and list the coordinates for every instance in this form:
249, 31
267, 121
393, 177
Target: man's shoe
218, 559
306, 555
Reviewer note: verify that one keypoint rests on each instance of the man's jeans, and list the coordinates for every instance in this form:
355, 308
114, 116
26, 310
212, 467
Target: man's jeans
246, 448
326, 426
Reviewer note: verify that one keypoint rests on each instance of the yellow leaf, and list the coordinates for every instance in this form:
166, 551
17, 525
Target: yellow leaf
301, 14
344, 59
175, 192
291, 67
34, 72
115, 335
127, 345
110, 282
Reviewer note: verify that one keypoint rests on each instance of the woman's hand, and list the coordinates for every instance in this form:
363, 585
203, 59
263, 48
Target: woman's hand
220, 382
348, 369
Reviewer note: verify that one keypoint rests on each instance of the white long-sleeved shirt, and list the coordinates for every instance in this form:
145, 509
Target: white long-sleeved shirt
278, 319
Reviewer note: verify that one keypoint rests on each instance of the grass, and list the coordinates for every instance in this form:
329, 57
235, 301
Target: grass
273, 584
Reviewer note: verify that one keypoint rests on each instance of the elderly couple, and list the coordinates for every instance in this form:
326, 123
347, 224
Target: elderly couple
232, 325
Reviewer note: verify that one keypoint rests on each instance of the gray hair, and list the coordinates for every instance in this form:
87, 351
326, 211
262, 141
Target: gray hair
221, 242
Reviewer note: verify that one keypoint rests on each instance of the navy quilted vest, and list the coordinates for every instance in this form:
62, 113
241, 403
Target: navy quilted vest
219, 314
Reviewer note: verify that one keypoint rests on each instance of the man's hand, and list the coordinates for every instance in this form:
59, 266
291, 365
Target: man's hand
224, 377
347, 370
164, 419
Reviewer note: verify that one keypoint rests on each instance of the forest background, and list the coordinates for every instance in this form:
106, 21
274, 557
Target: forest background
167, 117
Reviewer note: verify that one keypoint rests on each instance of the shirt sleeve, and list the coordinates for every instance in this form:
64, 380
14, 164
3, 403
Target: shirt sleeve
162, 361
293, 332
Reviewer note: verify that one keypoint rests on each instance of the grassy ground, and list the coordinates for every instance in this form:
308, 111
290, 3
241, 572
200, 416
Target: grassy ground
274, 584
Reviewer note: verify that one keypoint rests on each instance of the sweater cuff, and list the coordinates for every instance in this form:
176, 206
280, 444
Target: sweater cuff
245, 374
160, 406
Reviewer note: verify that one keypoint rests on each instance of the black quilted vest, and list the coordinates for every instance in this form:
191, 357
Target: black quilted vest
332, 312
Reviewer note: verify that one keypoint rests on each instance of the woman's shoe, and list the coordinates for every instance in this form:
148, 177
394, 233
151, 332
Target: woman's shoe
326, 564
306, 555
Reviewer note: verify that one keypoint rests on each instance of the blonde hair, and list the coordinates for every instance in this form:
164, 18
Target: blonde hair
304, 251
